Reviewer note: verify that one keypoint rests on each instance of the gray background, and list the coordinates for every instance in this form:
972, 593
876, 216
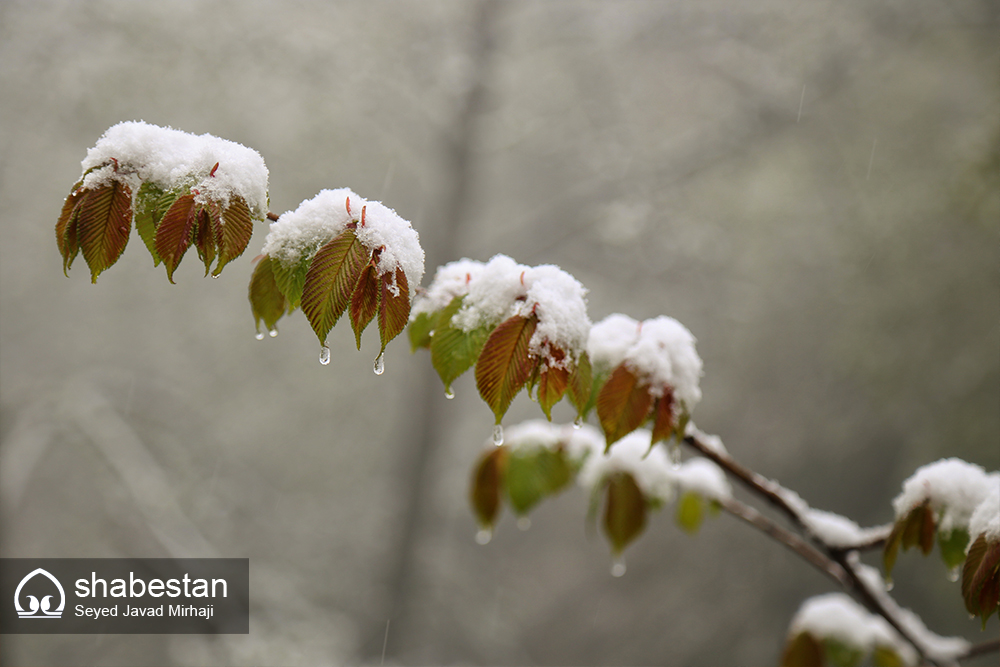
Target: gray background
813, 188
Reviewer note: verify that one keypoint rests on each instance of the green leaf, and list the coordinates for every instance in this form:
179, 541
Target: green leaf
176, 231
624, 511
504, 364
690, 512
151, 202
103, 225
364, 301
330, 281
981, 578
232, 231
581, 386
803, 651
952, 545
267, 302
623, 404
66, 227
394, 306
841, 654
886, 656
552, 385
663, 417
290, 279
419, 330
487, 480
532, 475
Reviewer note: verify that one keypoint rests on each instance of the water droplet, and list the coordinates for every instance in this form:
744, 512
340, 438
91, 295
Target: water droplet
272, 333
971, 616
888, 585
618, 567
675, 456
953, 574
259, 335
498, 435
484, 536
578, 422
379, 365
523, 523
216, 275
324, 355
449, 393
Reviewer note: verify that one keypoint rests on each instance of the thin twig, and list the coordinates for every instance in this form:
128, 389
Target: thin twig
807, 551
991, 646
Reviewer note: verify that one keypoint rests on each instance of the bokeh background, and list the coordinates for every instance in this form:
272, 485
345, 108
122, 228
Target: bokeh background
813, 188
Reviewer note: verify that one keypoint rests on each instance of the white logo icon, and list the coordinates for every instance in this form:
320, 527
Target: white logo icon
38, 609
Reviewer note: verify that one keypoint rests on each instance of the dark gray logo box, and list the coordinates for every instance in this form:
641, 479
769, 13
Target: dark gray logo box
139, 596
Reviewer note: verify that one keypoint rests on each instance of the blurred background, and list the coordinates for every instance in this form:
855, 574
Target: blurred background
813, 189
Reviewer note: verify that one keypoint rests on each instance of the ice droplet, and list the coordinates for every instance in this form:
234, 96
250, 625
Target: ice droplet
523, 523
953, 574
498, 435
888, 585
618, 567
449, 393
379, 364
484, 536
272, 333
578, 422
259, 335
324, 355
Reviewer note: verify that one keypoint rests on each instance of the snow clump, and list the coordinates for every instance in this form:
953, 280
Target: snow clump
953, 487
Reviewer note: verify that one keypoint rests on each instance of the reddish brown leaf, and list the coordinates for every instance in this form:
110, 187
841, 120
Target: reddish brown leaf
803, 651
552, 385
267, 303
487, 482
624, 511
981, 578
663, 417
504, 364
103, 225
623, 404
364, 301
204, 235
330, 281
394, 306
233, 230
176, 231
66, 228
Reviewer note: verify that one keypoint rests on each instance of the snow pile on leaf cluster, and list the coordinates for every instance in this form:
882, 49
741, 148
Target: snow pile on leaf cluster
578, 442
954, 489
502, 288
653, 471
298, 234
659, 351
134, 152
985, 519
836, 617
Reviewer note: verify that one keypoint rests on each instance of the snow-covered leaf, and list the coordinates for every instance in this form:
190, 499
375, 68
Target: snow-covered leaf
505, 363
487, 480
454, 351
232, 232
624, 511
534, 474
151, 203
103, 225
803, 651
394, 306
623, 404
981, 578
176, 232
663, 417
330, 281
267, 302
364, 301
290, 279
552, 385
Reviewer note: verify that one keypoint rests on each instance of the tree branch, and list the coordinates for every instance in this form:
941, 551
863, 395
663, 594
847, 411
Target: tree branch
807, 551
